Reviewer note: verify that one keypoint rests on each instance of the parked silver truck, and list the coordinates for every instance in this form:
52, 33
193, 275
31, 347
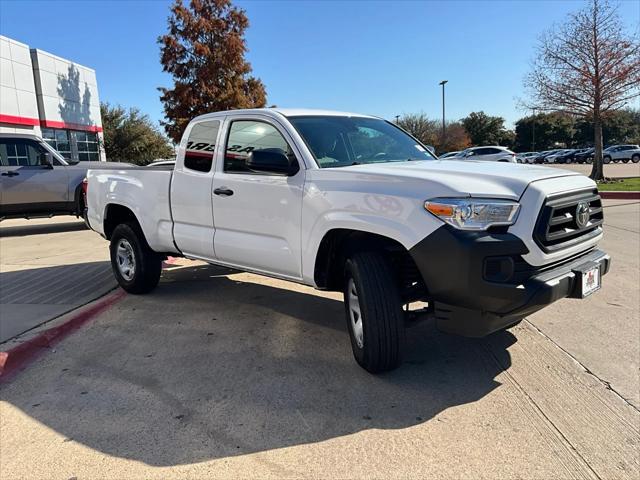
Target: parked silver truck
36, 181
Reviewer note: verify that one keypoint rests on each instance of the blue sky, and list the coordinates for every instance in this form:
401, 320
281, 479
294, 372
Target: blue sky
377, 57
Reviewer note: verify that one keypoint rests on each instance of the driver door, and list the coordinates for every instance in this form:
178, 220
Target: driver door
257, 216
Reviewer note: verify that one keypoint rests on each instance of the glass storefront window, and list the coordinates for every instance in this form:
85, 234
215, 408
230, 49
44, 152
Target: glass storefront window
87, 146
73, 144
58, 139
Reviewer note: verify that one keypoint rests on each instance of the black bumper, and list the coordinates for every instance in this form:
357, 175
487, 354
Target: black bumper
479, 282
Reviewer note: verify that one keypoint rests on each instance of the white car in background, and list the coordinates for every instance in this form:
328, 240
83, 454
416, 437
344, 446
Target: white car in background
448, 155
487, 154
527, 157
623, 153
552, 158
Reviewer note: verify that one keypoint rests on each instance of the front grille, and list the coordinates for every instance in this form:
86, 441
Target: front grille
558, 225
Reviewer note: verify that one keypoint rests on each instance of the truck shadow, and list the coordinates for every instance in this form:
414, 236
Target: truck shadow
214, 364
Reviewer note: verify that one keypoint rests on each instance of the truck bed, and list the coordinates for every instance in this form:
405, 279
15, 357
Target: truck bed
145, 191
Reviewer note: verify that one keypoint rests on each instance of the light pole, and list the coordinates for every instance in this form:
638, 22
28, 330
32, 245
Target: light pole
533, 131
443, 82
397, 118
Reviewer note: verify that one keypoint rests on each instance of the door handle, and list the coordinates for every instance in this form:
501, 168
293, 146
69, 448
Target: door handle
10, 174
224, 191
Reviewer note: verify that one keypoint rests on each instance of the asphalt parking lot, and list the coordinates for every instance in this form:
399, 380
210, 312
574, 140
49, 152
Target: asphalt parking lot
614, 170
220, 374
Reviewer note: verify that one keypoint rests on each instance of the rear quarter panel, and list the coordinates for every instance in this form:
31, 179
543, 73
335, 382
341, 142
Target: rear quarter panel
144, 191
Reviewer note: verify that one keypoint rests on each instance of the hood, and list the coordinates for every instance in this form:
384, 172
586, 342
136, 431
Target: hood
468, 177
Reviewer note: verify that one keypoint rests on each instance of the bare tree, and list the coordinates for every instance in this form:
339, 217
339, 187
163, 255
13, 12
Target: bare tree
588, 67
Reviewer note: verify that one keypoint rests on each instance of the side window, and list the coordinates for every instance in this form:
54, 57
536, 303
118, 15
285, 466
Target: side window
200, 146
20, 153
245, 136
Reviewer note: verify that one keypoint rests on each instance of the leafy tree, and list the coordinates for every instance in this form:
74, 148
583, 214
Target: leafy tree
484, 129
587, 66
622, 126
429, 132
508, 139
548, 129
129, 136
204, 51
456, 138
421, 127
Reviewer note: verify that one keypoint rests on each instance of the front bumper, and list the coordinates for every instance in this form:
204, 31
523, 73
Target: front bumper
479, 283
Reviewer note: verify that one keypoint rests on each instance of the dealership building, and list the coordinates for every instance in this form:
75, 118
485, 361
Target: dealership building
51, 97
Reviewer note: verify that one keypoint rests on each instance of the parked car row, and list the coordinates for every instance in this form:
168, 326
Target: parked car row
614, 153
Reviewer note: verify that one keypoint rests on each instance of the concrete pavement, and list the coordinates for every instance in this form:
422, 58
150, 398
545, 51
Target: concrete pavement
48, 267
219, 375
602, 332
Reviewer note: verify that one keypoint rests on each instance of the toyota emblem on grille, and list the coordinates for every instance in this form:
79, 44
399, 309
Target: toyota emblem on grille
582, 214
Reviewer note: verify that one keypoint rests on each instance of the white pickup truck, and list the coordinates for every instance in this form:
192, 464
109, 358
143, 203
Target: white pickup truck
352, 203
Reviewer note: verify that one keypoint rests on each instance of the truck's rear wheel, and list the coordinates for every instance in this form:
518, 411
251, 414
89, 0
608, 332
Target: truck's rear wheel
136, 267
374, 312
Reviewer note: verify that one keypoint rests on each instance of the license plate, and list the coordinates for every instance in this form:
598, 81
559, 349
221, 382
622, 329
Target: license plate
590, 281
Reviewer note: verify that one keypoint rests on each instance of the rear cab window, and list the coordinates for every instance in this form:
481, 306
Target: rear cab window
201, 145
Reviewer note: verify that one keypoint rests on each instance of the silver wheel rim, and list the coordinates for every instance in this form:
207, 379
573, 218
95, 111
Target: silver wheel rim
125, 260
354, 313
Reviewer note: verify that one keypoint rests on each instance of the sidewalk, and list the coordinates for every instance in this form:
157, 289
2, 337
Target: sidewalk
48, 267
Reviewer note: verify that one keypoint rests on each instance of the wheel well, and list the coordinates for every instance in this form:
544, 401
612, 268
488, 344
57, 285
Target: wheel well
338, 244
114, 215
79, 201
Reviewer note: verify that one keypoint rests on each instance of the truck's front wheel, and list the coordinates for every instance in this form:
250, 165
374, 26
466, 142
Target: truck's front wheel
136, 267
374, 312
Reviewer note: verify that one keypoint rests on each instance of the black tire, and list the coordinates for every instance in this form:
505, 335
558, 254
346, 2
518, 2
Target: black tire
635, 158
147, 263
606, 159
380, 305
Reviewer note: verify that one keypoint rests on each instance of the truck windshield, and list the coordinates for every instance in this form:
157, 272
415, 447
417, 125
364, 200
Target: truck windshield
341, 141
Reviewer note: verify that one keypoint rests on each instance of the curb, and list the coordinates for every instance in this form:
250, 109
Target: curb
633, 195
19, 356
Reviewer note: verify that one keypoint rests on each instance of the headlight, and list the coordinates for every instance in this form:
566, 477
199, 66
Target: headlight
473, 213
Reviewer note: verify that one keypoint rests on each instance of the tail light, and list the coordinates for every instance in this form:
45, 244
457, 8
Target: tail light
85, 187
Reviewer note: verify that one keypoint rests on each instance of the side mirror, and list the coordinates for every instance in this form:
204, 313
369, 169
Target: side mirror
46, 160
271, 160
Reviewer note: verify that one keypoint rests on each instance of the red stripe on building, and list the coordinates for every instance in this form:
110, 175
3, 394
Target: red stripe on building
70, 126
15, 120
19, 120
